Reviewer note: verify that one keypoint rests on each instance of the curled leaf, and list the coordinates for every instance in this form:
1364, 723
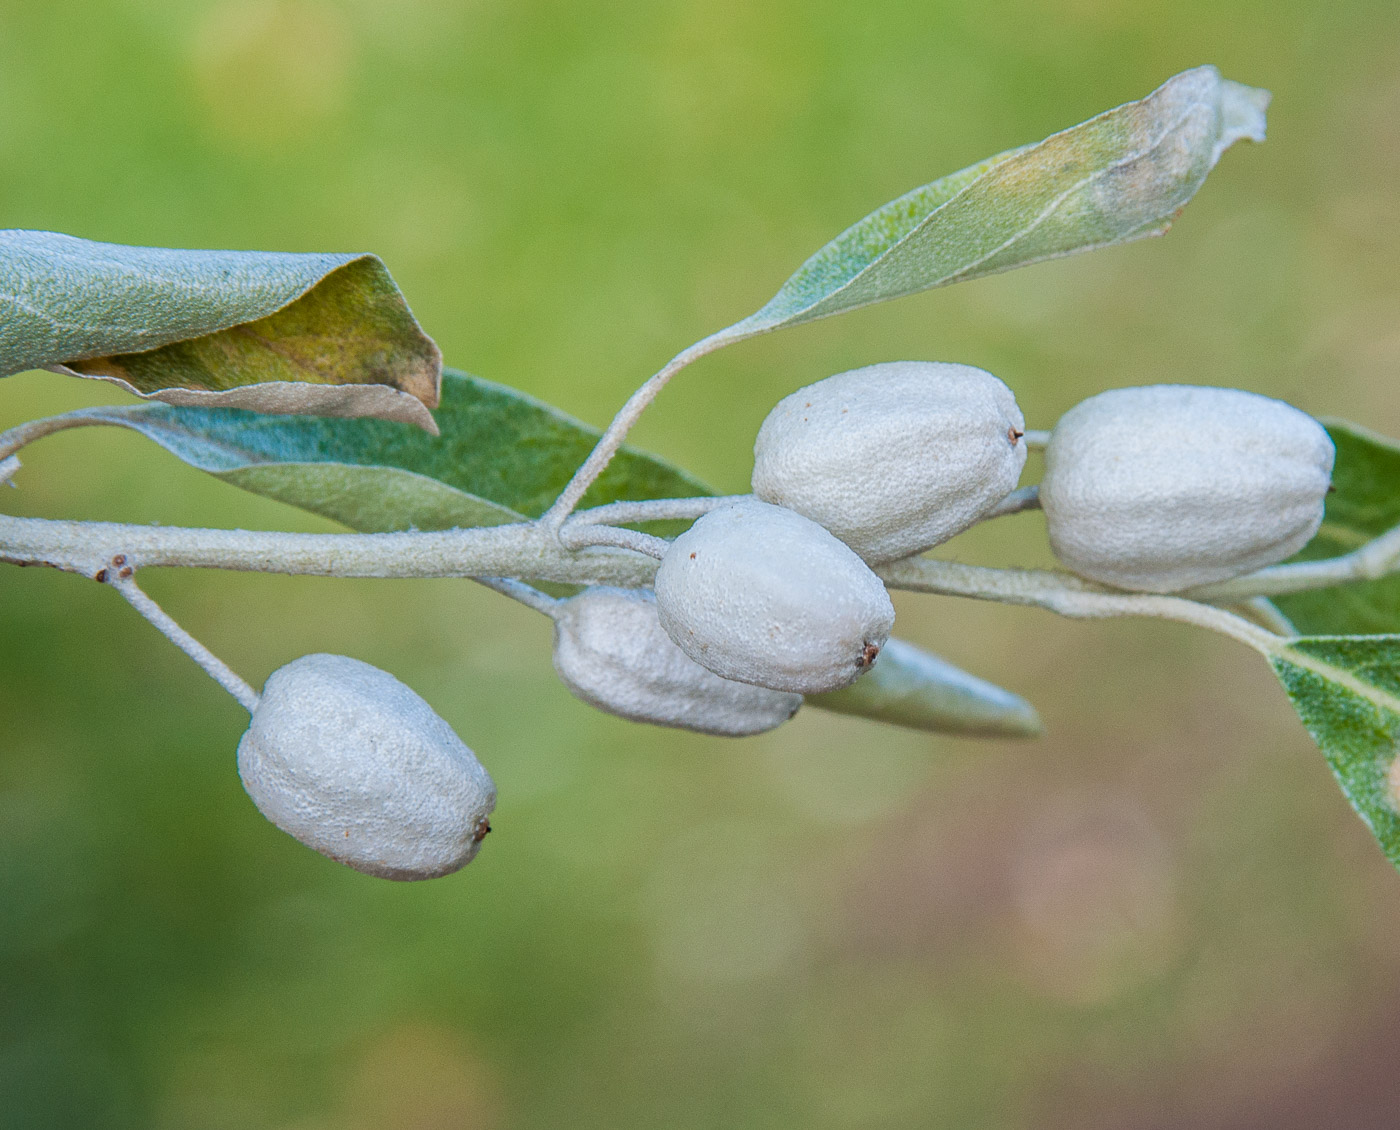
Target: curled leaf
1120, 176
329, 335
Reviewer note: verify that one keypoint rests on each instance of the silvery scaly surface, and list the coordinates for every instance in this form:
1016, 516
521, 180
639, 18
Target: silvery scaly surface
1164, 487
334, 336
354, 764
893, 458
611, 651
758, 593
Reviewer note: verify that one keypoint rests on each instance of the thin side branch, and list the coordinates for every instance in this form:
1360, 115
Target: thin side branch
1025, 498
1266, 615
577, 537
652, 510
1066, 595
1372, 561
119, 577
616, 433
8, 466
525, 594
23, 434
1036, 440
1099, 605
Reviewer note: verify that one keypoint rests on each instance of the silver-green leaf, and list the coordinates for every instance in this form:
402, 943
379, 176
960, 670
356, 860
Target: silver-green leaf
328, 335
1122, 175
1346, 689
913, 688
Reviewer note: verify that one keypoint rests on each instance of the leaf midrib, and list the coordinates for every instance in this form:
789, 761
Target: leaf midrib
1381, 699
1020, 234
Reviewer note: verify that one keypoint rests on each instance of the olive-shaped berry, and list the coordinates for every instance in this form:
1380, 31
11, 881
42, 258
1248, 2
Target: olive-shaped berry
893, 458
354, 764
611, 651
758, 593
1165, 487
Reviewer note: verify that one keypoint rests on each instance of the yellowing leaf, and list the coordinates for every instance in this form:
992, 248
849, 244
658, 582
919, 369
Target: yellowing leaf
328, 335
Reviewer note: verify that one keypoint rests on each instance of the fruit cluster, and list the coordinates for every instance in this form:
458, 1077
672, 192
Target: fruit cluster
772, 596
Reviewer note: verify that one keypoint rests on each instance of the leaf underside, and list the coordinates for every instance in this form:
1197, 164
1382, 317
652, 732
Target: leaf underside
263, 331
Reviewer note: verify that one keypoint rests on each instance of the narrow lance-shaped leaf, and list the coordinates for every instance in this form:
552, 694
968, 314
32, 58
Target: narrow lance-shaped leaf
1120, 176
1364, 503
501, 457
1346, 689
329, 335
914, 688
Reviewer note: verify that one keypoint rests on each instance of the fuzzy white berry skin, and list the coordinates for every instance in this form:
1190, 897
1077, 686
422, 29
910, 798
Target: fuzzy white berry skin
893, 458
1161, 488
760, 594
611, 651
354, 764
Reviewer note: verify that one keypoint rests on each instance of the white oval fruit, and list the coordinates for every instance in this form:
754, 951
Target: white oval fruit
893, 458
763, 595
611, 651
1165, 487
354, 764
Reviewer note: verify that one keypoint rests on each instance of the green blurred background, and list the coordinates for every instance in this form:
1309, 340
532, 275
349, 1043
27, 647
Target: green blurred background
1160, 915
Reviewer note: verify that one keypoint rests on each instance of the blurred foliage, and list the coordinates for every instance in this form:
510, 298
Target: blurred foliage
1163, 914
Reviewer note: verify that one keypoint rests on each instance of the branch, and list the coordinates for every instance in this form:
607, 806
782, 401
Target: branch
576, 537
518, 550
525, 594
652, 510
24, 434
527, 550
1374, 560
1026, 498
119, 576
612, 439
1258, 610
1066, 595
